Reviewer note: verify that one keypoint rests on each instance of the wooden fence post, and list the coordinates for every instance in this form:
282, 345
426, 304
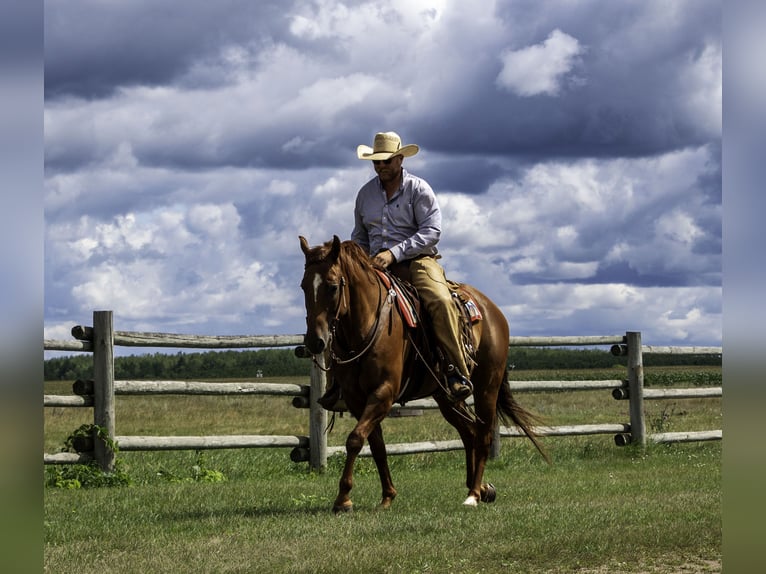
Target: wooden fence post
494, 448
103, 391
636, 388
317, 417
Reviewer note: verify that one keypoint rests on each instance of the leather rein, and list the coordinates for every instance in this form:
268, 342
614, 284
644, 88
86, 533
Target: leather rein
381, 307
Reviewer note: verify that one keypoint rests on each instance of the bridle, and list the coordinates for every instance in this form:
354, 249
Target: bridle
383, 307
369, 340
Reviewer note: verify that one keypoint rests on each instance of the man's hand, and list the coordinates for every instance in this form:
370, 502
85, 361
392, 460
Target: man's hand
384, 258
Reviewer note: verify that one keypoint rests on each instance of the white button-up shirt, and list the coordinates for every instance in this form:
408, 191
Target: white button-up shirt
408, 224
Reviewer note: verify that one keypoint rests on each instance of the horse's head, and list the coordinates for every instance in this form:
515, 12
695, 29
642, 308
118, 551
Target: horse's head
322, 286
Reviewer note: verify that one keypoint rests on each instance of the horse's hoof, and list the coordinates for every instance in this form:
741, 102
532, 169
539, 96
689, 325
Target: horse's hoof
488, 492
471, 501
343, 508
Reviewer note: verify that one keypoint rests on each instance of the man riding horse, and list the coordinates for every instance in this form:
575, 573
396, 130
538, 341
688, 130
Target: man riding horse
398, 222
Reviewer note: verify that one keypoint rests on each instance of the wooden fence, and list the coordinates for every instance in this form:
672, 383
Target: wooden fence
99, 394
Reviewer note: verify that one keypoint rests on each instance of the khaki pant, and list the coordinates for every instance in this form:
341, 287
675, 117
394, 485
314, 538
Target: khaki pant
429, 279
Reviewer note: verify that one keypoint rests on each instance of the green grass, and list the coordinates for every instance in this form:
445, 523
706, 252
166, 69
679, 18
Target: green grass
597, 508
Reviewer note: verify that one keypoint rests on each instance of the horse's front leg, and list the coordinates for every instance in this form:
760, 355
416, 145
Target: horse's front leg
378, 449
354, 443
374, 412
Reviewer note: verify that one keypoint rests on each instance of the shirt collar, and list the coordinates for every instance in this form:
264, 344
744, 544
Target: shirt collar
401, 186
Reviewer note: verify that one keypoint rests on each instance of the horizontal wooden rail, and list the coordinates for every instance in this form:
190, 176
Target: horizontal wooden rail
566, 341
67, 345
691, 436
135, 443
690, 393
314, 448
658, 350
622, 350
532, 386
675, 393
587, 385
205, 388
447, 445
568, 430
141, 339
67, 401
67, 458
406, 448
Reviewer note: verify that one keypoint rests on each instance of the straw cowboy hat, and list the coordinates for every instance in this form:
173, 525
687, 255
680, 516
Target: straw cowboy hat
386, 145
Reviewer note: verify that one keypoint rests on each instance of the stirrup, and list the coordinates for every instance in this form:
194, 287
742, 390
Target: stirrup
459, 388
331, 400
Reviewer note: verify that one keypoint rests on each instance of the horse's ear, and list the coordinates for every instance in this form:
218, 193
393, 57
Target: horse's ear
304, 245
335, 251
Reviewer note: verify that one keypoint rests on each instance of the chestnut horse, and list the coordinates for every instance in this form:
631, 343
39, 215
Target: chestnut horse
351, 318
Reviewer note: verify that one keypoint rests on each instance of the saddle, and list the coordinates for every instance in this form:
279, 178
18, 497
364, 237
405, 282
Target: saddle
408, 304
408, 300
405, 295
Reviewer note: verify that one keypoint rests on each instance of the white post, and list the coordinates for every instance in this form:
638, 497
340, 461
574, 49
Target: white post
494, 448
103, 390
636, 389
317, 417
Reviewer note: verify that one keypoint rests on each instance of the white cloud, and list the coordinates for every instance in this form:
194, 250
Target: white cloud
661, 314
559, 223
178, 201
214, 221
541, 68
702, 80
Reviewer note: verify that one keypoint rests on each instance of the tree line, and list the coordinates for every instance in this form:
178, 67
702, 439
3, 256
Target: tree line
283, 362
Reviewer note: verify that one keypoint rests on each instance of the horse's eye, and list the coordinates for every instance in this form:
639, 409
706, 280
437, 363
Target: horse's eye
332, 287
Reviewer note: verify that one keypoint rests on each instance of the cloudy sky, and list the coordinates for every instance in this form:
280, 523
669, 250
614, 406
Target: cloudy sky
575, 148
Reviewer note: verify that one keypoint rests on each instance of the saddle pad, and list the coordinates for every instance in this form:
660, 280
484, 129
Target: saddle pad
406, 308
474, 314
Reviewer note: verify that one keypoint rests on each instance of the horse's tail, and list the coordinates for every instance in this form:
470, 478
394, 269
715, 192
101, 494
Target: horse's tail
508, 408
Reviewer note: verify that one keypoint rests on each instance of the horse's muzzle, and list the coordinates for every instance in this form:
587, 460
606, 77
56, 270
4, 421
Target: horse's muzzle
316, 345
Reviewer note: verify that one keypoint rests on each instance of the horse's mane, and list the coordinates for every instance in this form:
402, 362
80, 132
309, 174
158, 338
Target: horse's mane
356, 261
356, 256
352, 256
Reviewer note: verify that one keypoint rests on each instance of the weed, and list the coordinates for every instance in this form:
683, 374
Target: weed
661, 422
88, 475
73, 476
199, 472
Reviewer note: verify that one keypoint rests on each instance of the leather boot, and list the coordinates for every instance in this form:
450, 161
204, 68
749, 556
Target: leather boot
459, 387
329, 400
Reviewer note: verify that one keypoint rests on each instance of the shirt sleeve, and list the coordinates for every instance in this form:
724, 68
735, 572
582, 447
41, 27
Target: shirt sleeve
359, 234
428, 222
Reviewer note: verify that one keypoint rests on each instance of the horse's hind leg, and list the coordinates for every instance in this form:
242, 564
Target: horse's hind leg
482, 442
476, 435
459, 418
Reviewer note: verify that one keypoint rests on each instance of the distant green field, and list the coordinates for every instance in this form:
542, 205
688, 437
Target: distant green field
597, 508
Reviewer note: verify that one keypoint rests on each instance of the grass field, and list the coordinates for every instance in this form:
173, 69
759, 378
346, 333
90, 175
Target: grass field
597, 509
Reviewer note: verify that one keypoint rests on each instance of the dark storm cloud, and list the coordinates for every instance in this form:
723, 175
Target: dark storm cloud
464, 174
626, 94
94, 48
20, 35
574, 147
623, 94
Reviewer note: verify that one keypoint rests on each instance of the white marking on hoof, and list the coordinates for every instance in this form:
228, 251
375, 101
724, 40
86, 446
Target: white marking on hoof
471, 501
